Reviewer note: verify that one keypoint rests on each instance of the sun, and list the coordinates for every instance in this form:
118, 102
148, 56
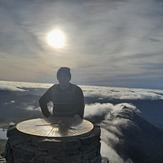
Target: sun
56, 39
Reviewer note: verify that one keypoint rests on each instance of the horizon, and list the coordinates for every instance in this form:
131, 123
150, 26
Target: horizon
48, 83
102, 92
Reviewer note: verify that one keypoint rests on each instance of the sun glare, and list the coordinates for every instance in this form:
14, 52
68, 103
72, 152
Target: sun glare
56, 39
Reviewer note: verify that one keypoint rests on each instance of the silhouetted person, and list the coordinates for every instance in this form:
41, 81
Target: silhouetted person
67, 98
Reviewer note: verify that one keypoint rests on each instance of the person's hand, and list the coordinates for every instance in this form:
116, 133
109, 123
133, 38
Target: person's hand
77, 119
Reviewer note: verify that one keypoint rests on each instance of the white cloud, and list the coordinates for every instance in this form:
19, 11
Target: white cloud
121, 38
31, 108
7, 86
20, 86
122, 93
92, 91
110, 153
116, 117
97, 109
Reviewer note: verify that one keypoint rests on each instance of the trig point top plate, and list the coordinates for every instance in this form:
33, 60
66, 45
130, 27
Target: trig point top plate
55, 127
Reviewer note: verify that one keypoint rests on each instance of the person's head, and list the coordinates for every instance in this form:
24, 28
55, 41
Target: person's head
64, 76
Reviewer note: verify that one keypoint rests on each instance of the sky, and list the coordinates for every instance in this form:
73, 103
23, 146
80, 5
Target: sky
107, 42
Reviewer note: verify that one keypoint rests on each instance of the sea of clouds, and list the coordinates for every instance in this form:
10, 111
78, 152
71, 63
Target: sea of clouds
20, 100
91, 91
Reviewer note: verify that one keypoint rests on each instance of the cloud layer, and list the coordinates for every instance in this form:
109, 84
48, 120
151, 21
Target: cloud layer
116, 43
98, 92
121, 127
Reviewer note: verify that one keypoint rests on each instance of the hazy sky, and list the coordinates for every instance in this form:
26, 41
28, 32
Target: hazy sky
108, 42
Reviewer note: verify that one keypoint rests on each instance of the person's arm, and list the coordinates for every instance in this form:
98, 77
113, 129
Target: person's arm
43, 101
80, 102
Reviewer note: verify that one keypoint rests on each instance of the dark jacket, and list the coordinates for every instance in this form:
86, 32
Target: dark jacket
66, 102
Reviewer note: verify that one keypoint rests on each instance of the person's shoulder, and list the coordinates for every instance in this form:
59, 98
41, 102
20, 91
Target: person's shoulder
54, 86
77, 88
74, 85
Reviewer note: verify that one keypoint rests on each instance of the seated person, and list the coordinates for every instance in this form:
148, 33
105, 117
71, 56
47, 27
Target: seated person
67, 98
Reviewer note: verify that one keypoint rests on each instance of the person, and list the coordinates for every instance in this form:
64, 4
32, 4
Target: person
67, 98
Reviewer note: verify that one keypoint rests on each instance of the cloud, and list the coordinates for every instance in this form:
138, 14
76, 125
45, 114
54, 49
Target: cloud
107, 93
131, 24
121, 93
4, 86
100, 109
110, 153
31, 108
119, 123
115, 37
115, 118
22, 86
119, 127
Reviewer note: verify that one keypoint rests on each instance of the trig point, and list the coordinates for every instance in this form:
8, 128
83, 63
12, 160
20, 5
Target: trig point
54, 140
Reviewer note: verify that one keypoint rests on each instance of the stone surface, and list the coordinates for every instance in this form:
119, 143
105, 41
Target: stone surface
32, 149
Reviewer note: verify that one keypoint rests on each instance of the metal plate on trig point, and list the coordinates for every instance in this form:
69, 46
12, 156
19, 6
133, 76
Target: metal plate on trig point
55, 127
